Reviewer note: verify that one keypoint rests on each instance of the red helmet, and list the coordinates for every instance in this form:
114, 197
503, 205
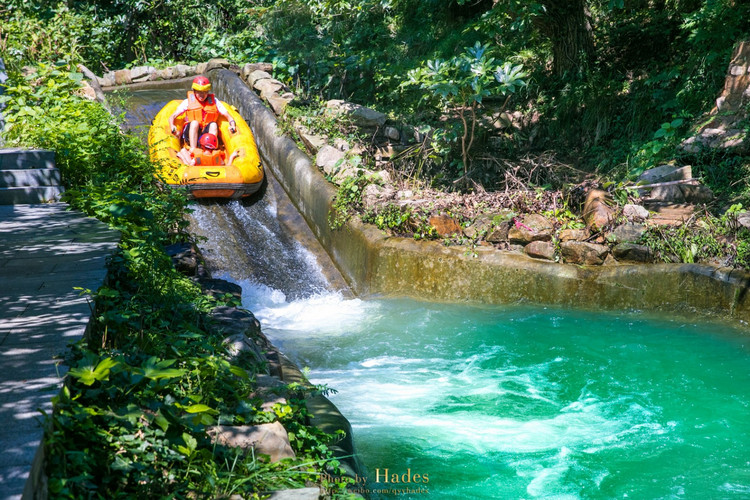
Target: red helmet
201, 83
209, 141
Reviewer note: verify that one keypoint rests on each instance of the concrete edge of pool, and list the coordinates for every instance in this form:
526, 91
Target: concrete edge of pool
375, 264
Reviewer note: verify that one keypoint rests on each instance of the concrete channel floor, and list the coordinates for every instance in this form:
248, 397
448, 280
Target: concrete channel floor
46, 251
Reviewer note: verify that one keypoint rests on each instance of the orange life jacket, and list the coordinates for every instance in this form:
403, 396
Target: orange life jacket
203, 112
208, 158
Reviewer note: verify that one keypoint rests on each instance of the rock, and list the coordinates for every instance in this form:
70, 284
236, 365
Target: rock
108, 80
635, 212
540, 250
185, 258
344, 173
632, 252
574, 234
256, 76
667, 194
382, 176
87, 91
329, 159
241, 349
533, 227
200, 68
278, 104
360, 115
580, 252
597, 213
696, 193
218, 288
480, 227
375, 195
392, 133
164, 74
405, 194
142, 73
216, 63
743, 219
122, 77
666, 173
268, 87
250, 67
264, 439
445, 225
183, 70
312, 142
233, 320
629, 232
296, 494
341, 144
499, 232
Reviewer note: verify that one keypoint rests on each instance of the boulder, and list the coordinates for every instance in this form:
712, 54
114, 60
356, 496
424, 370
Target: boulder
201, 68
481, 226
313, 143
581, 252
574, 234
540, 250
268, 86
264, 439
185, 258
329, 159
359, 115
217, 63
295, 494
498, 233
241, 349
635, 212
218, 288
122, 77
597, 212
278, 104
632, 252
233, 320
696, 193
665, 173
392, 133
374, 195
183, 70
256, 76
108, 80
533, 227
629, 232
142, 73
445, 225
250, 67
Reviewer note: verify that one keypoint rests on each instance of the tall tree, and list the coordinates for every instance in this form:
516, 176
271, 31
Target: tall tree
567, 24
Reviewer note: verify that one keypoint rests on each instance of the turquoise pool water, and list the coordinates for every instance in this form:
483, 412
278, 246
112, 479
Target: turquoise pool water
523, 402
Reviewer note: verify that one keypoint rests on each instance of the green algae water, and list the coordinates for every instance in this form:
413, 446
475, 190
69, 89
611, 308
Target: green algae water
451, 402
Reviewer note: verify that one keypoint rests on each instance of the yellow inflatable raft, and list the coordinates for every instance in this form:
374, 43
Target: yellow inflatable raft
242, 178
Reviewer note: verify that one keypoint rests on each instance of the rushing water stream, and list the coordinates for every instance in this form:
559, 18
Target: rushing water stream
464, 402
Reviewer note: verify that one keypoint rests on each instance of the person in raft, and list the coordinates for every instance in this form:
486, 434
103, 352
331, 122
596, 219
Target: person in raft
201, 110
208, 154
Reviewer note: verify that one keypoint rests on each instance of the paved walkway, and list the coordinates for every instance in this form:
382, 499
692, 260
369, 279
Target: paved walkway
45, 251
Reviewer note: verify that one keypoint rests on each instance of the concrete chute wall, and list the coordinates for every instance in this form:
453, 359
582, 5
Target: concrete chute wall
375, 264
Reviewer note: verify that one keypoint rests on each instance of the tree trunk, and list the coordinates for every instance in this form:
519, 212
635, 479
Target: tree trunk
567, 23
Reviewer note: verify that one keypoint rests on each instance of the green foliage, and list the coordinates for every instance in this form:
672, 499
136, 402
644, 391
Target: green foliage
150, 377
687, 243
461, 83
347, 201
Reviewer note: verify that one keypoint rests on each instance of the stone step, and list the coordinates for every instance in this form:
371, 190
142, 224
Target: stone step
32, 177
13, 158
29, 195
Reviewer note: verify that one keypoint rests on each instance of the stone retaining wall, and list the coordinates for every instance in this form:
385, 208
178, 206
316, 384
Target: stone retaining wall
375, 264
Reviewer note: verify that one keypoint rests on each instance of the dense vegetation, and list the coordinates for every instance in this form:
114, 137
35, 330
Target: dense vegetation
599, 77
153, 375
580, 88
